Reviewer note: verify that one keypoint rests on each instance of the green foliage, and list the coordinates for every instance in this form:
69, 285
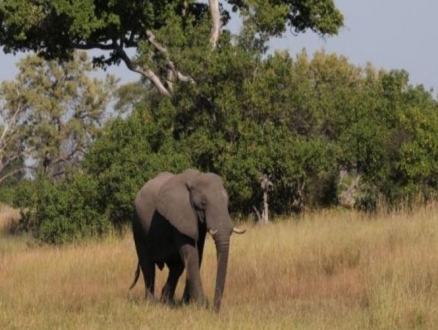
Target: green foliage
410, 169
129, 153
302, 120
62, 212
235, 111
55, 28
273, 17
161, 31
11, 178
51, 112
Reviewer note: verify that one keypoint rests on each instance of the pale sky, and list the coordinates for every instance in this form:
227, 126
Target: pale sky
391, 34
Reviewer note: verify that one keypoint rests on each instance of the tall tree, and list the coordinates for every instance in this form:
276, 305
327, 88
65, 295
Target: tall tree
51, 113
11, 118
55, 28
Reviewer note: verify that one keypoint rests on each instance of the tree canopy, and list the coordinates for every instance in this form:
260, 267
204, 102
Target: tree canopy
50, 114
54, 29
318, 125
314, 124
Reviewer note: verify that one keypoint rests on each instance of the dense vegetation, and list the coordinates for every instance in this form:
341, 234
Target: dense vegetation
162, 31
327, 132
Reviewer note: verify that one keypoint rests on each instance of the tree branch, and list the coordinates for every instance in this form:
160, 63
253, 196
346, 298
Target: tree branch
158, 46
89, 46
259, 217
125, 58
8, 161
170, 64
146, 73
12, 119
12, 173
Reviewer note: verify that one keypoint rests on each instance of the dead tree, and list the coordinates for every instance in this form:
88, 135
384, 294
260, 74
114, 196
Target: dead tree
264, 217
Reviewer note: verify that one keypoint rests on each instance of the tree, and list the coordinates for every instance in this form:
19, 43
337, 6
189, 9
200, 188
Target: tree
51, 113
11, 121
56, 28
128, 153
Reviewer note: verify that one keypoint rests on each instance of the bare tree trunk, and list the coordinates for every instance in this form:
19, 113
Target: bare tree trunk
10, 130
265, 213
264, 217
348, 194
216, 22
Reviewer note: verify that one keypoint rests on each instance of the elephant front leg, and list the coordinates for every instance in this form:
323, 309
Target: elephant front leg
200, 246
190, 256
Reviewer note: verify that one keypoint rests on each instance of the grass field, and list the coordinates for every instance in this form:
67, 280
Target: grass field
330, 270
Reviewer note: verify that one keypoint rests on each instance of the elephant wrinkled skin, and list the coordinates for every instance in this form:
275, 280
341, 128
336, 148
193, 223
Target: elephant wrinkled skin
172, 215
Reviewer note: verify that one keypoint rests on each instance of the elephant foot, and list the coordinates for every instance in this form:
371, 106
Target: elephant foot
185, 298
200, 302
150, 298
168, 301
167, 295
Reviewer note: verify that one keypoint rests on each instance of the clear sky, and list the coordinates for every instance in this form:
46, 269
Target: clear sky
392, 34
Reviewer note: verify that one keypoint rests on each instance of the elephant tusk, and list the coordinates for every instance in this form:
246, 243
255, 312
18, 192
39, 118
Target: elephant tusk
212, 232
239, 231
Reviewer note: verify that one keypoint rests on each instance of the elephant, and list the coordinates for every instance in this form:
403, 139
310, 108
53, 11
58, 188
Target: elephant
172, 215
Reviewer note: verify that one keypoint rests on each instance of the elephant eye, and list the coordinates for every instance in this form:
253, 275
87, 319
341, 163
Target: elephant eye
200, 204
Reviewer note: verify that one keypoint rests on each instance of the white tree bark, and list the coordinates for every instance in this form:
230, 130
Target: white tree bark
216, 22
265, 185
9, 136
163, 84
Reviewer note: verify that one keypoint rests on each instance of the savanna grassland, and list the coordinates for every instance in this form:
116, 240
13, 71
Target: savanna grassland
329, 270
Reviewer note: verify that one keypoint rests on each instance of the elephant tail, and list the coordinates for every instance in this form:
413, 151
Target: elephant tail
136, 276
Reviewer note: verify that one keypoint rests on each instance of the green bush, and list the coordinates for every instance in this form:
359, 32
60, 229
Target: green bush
298, 120
130, 152
62, 212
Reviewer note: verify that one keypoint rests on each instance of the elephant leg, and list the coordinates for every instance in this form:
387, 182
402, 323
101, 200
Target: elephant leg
146, 264
200, 246
176, 267
148, 269
190, 256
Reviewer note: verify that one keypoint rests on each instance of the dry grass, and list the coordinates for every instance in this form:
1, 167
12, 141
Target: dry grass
8, 218
331, 270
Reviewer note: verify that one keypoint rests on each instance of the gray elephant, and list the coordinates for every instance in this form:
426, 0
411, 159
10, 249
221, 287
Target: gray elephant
172, 215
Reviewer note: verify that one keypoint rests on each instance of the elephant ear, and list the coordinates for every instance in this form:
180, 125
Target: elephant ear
173, 203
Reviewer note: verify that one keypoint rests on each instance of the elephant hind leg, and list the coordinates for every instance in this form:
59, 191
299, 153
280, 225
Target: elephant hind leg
176, 267
148, 269
147, 265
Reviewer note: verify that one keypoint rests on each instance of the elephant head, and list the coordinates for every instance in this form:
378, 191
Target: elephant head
194, 201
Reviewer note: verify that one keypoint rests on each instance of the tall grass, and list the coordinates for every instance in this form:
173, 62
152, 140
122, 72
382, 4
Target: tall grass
330, 270
8, 218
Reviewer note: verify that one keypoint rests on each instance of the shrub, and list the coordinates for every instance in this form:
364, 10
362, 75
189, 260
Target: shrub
62, 212
130, 152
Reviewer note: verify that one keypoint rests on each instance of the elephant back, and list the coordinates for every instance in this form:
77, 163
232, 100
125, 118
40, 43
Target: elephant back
146, 199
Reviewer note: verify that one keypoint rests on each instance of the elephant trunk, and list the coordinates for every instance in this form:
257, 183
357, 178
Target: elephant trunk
222, 249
